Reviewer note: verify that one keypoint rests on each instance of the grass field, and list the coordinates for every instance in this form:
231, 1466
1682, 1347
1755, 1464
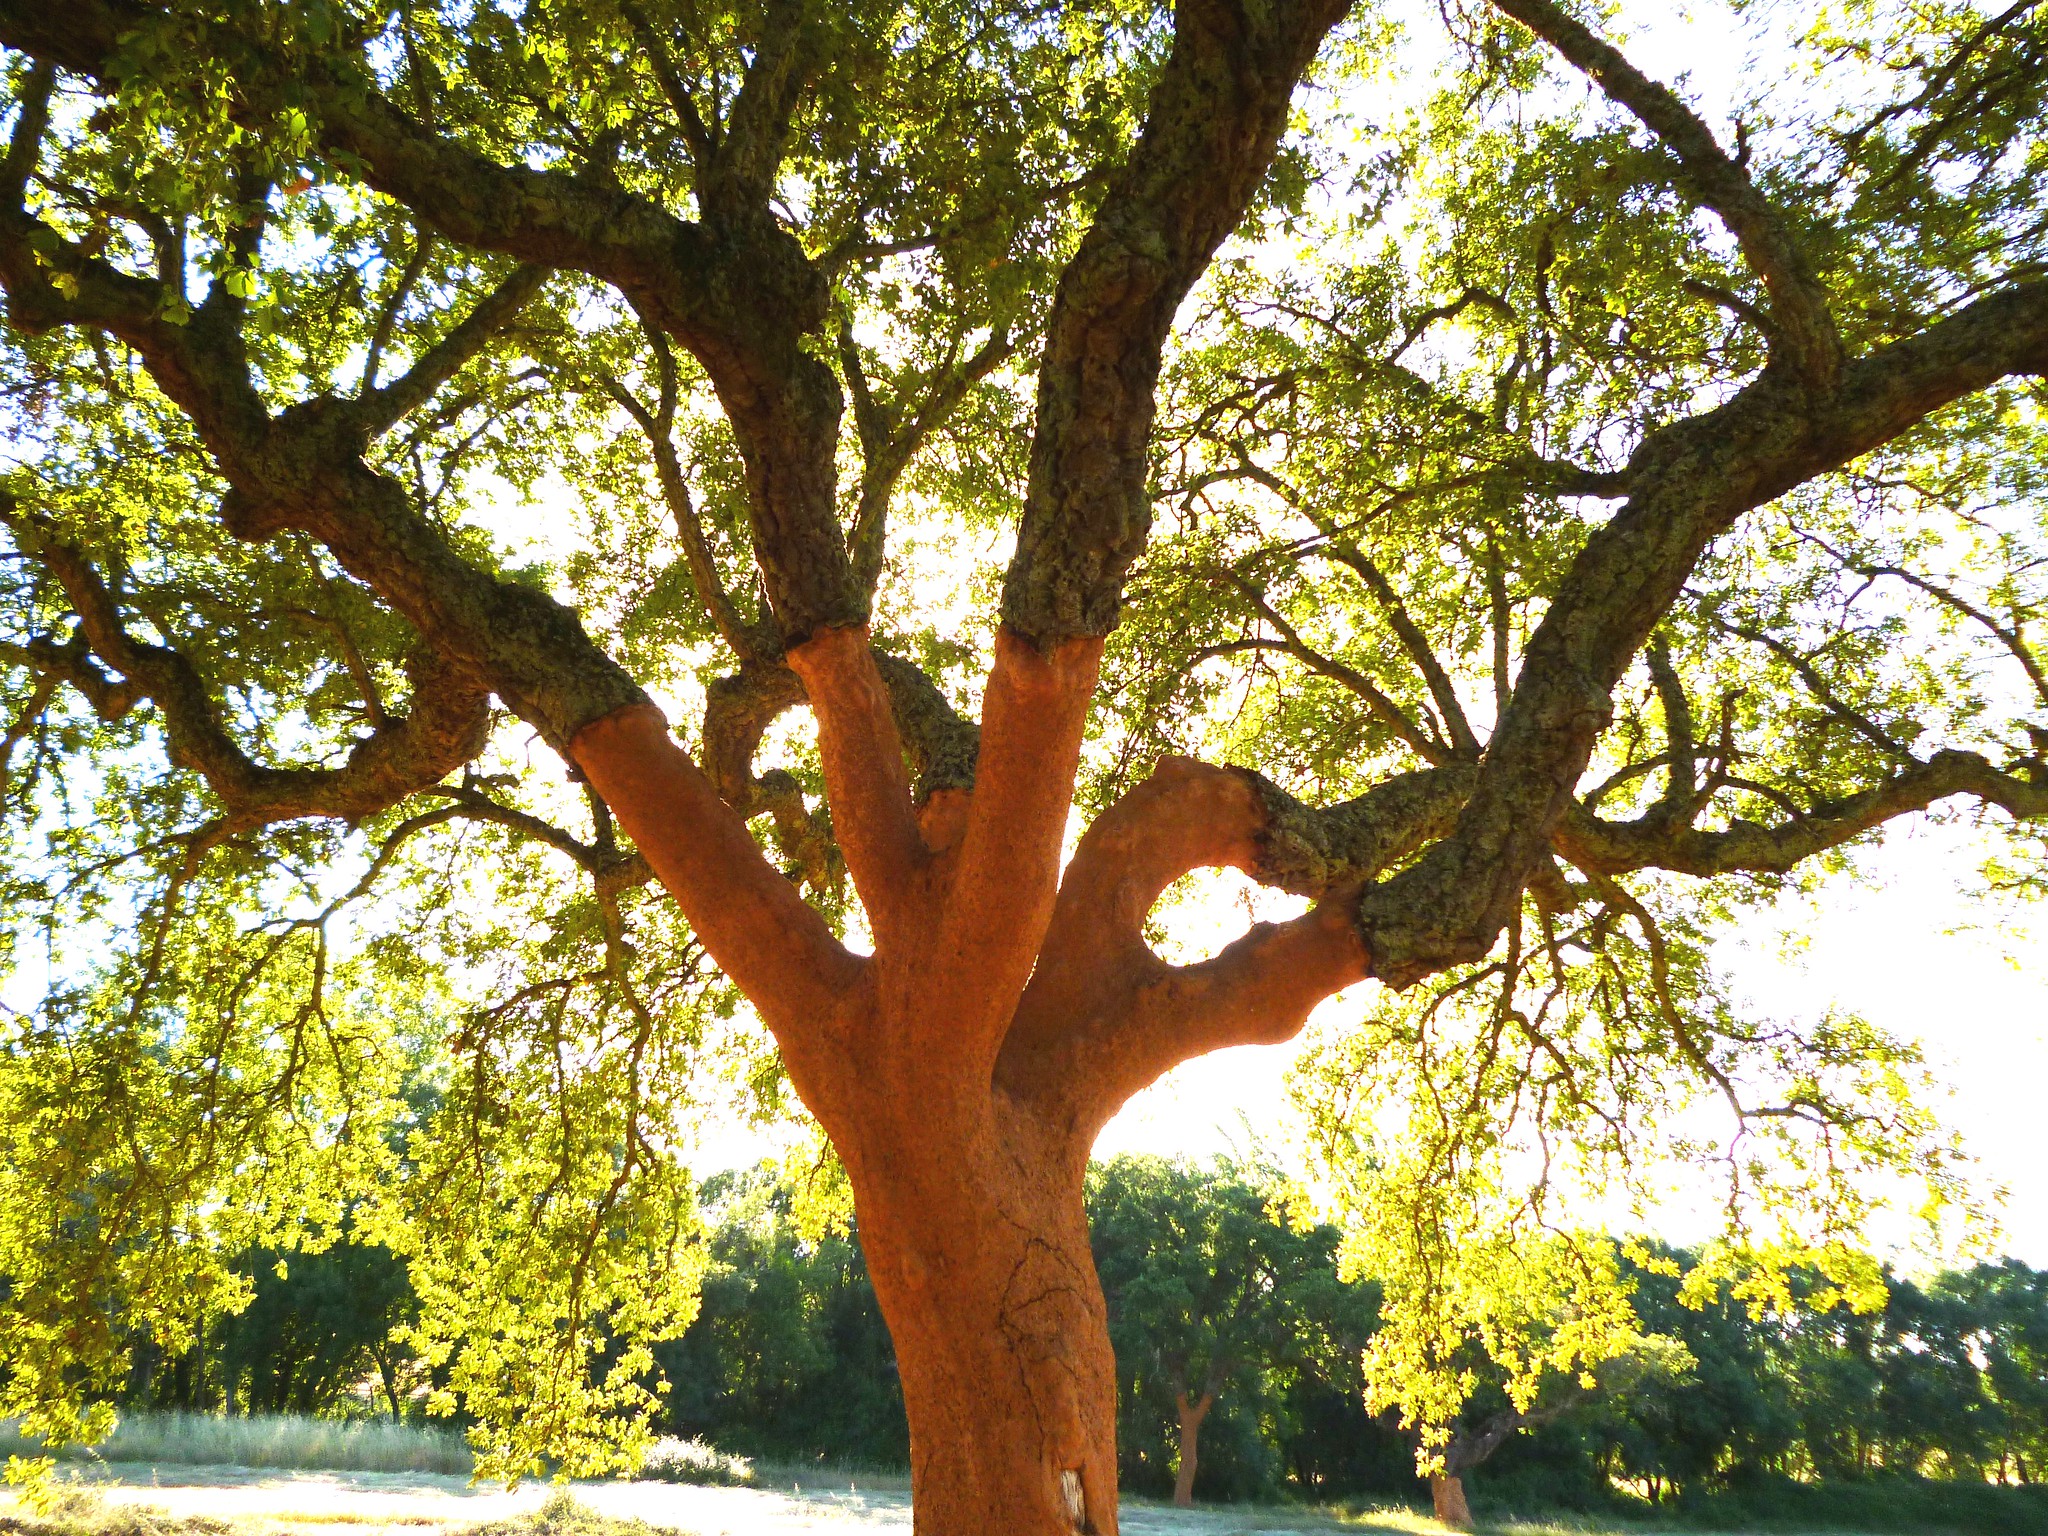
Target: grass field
267, 1440
224, 1501
206, 1475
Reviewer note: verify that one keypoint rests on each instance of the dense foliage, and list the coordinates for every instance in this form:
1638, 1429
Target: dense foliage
789, 1361
1584, 512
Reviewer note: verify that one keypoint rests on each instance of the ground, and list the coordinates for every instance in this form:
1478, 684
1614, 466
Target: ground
330, 1503
275, 1503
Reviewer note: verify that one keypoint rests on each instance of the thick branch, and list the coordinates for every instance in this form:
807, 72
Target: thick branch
738, 709
865, 775
740, 178
1212, 125
738, 292
1689, 482
941, 745
72, 662
446, 728
1682, 784
1801, 327
1313, 851
1005, 872
304, 470
758, 929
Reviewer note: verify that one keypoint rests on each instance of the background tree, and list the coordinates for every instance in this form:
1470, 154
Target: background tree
1486, 1329
316, 1324
1595, 470
1730, 1418
2010, 1301
788, 1358
789, 1361
1211, 1290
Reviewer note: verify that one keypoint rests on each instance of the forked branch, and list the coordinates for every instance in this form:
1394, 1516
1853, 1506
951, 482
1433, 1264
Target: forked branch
1689, 482
445, 728
1104, 1015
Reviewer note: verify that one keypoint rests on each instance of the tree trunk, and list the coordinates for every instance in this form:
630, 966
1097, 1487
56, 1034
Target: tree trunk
978, 1247
387, 1372
963, 1070
1191, 1416
1447, 1498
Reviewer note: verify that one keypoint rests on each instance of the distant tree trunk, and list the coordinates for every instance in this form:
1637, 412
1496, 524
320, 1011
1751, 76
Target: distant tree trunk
1447, 1498
1191, 1416
387, 1373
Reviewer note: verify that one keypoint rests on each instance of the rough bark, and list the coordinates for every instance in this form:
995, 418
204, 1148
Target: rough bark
1447, 1502
304, 468
445, 728
1211, 127
1689, 482
1799, 326
1191, 1412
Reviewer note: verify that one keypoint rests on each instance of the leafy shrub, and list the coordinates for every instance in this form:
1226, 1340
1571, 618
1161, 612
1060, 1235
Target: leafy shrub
673, 1460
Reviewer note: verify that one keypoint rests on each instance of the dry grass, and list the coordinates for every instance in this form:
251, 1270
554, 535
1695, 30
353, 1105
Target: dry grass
84, 1514
563, 1516
267, 1440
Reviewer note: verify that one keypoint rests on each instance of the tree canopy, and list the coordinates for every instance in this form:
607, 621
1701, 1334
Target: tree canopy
1215, 1290
585, 556
1789, 1410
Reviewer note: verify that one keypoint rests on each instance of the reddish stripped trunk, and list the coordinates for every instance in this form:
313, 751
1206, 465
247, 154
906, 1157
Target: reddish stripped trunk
1447, 1497
1191, 1416
978, 1247
963, 1070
